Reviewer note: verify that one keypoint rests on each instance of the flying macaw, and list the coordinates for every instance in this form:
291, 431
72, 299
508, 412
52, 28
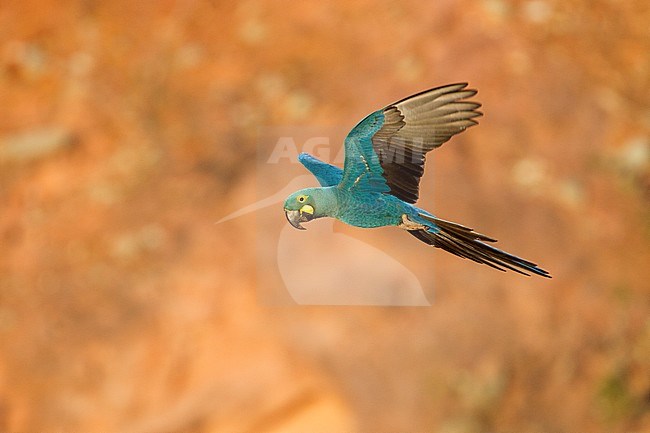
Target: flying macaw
379, 183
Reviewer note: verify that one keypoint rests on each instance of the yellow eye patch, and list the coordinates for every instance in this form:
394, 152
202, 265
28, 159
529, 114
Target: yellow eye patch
307, 209
301, 198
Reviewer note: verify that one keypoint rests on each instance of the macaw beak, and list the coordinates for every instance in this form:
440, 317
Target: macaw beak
295, 217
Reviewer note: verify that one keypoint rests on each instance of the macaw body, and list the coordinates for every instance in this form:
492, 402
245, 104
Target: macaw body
384, 161
365, 209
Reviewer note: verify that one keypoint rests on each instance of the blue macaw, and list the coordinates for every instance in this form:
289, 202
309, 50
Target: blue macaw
379, 183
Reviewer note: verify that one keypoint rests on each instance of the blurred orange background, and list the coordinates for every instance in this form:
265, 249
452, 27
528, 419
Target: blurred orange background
128, 128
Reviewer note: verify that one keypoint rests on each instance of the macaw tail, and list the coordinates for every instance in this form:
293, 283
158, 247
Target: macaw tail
465, 242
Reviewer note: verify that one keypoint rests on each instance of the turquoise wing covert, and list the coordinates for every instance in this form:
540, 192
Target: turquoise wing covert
386, 151
362, 170
326, 174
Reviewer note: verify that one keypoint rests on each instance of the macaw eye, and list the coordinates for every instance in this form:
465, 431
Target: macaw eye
302, 198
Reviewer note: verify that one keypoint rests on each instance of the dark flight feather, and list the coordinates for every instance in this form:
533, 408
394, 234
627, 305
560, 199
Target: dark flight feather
414, 126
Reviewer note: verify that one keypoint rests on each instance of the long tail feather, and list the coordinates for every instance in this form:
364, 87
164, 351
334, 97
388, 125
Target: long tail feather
466, 243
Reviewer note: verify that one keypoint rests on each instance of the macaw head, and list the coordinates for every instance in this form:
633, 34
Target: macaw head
302, 207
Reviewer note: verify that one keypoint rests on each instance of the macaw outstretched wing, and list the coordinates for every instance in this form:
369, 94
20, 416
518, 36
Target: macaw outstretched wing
385, 152
327, 174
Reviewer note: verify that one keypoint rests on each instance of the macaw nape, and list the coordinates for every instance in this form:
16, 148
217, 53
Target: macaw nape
379, 182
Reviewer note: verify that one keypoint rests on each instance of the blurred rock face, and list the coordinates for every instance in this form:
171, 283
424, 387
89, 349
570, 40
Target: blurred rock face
128, 128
